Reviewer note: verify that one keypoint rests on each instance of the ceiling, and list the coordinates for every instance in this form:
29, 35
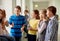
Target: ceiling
39, 0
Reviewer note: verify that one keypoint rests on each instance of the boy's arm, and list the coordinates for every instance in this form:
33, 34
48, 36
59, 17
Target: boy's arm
24, 23
10, 22
22, 29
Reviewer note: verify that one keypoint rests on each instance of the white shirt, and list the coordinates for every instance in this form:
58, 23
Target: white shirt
52, 17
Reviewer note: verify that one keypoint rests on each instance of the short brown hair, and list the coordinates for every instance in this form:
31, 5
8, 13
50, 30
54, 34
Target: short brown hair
27, 11
37, 13
52, 9
18, 7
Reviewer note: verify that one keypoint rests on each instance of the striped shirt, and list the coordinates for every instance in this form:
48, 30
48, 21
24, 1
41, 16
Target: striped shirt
18, 21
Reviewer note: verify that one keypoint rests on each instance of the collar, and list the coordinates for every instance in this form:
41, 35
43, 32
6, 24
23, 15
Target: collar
52, 17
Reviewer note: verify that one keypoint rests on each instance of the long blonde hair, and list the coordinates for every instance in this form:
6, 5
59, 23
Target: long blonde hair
44, 12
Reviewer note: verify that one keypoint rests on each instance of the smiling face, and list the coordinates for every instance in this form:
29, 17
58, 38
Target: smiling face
49, 13
33, 15
16, 11
40, 15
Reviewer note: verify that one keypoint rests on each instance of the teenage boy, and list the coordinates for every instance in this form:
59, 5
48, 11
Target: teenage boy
17, 22
52, 28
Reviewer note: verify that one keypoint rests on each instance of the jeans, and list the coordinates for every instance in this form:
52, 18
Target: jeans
17, 39
31, 37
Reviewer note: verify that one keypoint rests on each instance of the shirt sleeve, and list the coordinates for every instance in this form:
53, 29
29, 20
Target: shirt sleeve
10, 20
24, 21
43, 27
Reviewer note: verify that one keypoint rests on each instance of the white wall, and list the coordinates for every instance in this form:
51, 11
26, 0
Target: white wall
18, 2
7, 5
41, 5
13, 5
40, 0
0, 3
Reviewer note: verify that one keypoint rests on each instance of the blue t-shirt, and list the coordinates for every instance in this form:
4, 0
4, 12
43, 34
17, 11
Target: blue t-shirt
18, 21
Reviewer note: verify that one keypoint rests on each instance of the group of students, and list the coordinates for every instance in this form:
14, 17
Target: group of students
43, 26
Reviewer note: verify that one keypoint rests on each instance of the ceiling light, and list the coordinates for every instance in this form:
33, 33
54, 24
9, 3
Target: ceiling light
36, 5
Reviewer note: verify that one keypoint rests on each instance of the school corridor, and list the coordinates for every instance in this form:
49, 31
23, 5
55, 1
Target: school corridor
29, 5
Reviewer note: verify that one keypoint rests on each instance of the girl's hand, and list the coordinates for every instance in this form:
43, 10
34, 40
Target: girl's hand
22, 29
48, 40
29, 28
6, 23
